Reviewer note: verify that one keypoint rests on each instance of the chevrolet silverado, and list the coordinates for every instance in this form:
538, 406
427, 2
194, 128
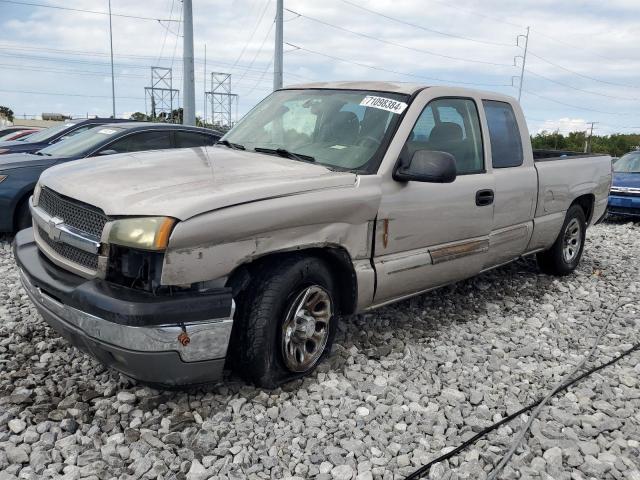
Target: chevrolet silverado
325, 200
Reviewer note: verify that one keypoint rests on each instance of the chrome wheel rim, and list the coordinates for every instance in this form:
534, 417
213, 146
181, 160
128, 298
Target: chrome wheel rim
305, 330
572, 240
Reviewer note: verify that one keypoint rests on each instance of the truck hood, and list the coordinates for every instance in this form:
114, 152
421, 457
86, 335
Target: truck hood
621, 179
182, 183
18, 160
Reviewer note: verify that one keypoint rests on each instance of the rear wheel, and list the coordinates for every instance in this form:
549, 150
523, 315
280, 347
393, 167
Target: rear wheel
564, 255
285, 322
23, 215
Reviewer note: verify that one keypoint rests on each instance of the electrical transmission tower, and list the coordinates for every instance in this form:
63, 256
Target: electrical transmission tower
161, 98
221, 100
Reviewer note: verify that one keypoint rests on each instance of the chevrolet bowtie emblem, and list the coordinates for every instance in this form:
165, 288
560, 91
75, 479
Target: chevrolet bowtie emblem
54, 228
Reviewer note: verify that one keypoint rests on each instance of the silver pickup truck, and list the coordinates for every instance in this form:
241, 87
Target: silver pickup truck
325, 200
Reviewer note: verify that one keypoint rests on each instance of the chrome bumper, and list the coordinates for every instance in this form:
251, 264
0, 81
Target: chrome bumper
194, 342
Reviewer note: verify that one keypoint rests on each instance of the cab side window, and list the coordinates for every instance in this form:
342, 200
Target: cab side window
193, 139
450, 125
506, 146
142, 141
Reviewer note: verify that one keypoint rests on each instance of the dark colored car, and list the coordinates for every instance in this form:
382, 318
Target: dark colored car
19, 172
624, 198
14, 129
12, 133
17, 135
48, 136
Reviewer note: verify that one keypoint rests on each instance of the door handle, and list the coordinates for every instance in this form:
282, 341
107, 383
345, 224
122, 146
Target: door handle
484, 197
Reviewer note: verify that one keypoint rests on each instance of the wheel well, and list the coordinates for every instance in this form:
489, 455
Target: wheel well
586, 202
337, 258
19, 204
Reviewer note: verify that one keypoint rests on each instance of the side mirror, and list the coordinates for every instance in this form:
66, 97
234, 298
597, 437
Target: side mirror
107, 152
428, 166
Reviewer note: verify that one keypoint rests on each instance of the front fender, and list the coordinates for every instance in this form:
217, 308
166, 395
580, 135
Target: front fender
212, 245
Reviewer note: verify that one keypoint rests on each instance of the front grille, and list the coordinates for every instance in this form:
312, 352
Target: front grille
78, 215
69, 252
621, 193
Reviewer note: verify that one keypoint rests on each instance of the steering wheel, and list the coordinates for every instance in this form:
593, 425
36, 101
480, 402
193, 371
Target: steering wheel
368, 139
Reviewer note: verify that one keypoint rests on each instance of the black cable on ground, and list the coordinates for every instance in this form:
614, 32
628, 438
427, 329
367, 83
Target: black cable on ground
425, 468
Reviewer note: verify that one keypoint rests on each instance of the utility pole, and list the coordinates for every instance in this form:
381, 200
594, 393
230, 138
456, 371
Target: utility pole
204, 116
189, 110
587, 147
524, 59
113, 82
279, 47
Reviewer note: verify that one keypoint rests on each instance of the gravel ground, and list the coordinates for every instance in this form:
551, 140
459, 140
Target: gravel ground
404, 385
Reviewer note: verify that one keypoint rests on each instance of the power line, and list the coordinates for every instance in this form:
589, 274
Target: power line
372, 67
371, 37
258, 52
98, 63
255, 29
580, 89
175, 45
166, 33
479, 14
582, 74
93, 54
66, 94
421, 27
95, 74
575, 106
96, 12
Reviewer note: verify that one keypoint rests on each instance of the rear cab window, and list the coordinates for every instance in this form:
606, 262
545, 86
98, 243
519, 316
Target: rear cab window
504, 134
185, 139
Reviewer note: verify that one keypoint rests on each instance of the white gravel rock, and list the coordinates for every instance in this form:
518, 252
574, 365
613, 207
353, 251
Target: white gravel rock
403, 385
16, 425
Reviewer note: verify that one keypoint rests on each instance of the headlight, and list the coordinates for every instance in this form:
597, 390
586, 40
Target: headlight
148, 233
2, 178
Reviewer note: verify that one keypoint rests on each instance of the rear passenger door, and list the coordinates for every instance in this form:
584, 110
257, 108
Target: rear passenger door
431, 234
516, 184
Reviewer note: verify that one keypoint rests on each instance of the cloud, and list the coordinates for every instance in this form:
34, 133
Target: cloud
563, 125
595, 40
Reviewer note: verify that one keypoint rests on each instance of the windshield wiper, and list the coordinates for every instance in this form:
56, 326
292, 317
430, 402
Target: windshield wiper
283, 152
41, 153
234, 146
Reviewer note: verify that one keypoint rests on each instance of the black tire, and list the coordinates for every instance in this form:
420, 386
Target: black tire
23, 216
256, 349
557, 260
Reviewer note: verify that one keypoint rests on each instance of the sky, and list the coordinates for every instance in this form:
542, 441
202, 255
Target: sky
582, 60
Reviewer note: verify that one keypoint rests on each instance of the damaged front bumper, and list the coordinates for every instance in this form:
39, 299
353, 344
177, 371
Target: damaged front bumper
166, 340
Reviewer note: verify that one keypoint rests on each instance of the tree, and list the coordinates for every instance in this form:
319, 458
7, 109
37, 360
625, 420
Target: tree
616, 144
7, 113
139, 117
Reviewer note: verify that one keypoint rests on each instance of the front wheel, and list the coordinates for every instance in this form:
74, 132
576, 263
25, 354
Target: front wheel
286, 321
564, 255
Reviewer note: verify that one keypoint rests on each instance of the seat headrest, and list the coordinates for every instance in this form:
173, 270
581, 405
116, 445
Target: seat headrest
446, 132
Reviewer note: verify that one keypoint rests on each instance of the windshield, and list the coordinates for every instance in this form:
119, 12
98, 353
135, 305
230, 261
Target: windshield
81, 143
345, 129
48, 133
629, 163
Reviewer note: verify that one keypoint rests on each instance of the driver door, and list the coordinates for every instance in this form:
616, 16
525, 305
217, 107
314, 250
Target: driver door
431, 234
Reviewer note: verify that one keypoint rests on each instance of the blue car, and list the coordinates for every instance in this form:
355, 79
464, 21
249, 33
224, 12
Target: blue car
51, 135
624, 198
19, 172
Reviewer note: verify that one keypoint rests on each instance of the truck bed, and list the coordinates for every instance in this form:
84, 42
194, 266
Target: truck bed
545, 155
